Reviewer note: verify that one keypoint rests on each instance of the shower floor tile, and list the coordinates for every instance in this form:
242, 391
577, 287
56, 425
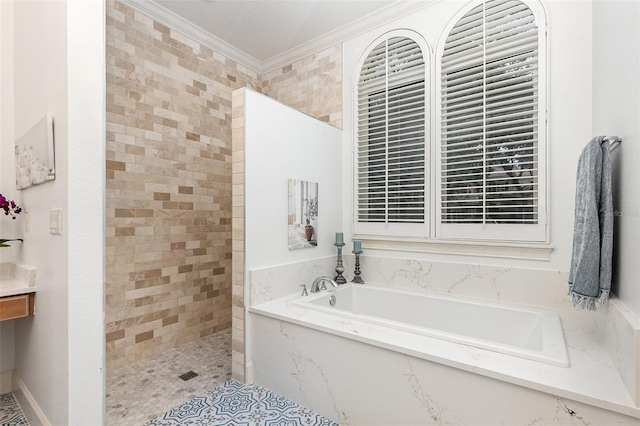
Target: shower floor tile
147, 388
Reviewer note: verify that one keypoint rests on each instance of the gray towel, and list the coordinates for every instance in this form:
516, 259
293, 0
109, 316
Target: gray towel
590, 274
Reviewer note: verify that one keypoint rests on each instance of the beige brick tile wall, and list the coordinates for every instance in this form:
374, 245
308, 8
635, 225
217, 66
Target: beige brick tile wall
171, 218
312, 85
168, 277
237, 241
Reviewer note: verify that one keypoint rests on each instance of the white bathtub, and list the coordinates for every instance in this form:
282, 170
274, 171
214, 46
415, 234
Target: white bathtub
522, 332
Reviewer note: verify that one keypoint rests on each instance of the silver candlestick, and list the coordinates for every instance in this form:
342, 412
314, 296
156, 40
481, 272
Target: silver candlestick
339, 268
357, 278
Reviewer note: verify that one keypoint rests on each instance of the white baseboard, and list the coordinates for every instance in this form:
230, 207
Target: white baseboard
28, 404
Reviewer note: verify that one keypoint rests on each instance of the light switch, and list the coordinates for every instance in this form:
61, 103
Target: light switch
55, 221
26, 221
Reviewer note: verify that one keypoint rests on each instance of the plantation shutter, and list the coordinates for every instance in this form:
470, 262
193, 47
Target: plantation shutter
390, 172
489, 117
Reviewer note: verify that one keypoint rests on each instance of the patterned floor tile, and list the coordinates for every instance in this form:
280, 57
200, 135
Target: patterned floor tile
10, 412
235, 404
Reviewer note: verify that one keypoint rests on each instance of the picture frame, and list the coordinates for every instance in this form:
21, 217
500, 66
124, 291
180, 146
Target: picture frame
302, 217
35, 155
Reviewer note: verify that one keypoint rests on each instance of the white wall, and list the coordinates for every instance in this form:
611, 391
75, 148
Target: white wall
86, 70
283, 143
58, 68
569, 117
7, 186
40, 87
616, 111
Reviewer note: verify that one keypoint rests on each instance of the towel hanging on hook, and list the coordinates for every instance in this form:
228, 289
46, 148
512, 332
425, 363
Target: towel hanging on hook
591, 259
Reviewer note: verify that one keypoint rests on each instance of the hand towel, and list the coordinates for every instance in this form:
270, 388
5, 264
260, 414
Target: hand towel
590, 272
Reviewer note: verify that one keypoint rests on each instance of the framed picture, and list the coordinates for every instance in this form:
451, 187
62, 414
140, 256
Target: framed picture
302, 214
35, 158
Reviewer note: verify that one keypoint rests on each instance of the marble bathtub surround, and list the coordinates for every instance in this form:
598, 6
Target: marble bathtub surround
496, 284
431, 378
279, 281
598, 377
619, 330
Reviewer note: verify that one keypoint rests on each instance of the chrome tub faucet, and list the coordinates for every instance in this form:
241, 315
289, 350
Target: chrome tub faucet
315, 287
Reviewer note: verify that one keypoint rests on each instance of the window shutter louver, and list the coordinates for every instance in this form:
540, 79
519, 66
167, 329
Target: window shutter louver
489, 117
390, 169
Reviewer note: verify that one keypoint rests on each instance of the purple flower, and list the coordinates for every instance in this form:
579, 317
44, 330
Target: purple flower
9, 206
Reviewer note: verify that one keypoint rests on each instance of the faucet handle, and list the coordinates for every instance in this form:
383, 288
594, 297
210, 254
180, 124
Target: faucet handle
304, 290
323, 285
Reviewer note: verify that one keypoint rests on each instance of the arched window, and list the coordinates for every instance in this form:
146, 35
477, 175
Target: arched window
391, 154
492, 137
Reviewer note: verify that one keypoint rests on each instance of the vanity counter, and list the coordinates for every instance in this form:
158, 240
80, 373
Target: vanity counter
17, 290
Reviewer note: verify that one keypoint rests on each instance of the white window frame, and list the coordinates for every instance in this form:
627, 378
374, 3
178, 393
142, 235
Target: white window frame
429, 237
396, 229
533, 233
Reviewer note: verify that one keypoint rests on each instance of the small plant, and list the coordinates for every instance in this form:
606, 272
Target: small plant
311, 209
10, 209
9, 206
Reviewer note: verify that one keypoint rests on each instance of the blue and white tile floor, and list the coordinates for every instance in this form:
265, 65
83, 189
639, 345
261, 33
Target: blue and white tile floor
234, 404
10, 412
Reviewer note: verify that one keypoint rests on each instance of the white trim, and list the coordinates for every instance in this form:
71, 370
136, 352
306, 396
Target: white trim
394, 11
501, 249
539, 232
161, 14
392, 229
19, 384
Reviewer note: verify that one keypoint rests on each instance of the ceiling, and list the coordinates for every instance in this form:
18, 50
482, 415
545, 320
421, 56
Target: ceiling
261, 31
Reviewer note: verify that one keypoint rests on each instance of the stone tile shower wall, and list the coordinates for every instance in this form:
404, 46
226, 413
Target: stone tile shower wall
168, 223
169, 210
312, 85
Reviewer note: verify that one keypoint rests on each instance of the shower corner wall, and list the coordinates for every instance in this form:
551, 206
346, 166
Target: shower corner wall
237, 239
312, 85
169, 166
168, 199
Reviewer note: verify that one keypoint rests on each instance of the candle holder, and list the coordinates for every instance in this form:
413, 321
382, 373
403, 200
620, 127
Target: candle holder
357, 278
339, 268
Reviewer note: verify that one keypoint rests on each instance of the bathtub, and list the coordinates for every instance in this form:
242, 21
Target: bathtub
513, 330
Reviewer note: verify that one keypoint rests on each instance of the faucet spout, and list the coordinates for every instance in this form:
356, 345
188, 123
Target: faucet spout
315, 287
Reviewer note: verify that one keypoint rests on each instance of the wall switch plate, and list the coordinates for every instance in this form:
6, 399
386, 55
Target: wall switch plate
26, 221
55, 221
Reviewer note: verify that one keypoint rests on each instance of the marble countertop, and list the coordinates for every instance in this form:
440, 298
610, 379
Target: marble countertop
16, 279
592, 377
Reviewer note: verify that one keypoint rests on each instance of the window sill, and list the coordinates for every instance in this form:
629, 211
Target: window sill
502, 249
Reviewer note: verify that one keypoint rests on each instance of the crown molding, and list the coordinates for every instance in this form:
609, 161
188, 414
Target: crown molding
187, 28
396, 10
